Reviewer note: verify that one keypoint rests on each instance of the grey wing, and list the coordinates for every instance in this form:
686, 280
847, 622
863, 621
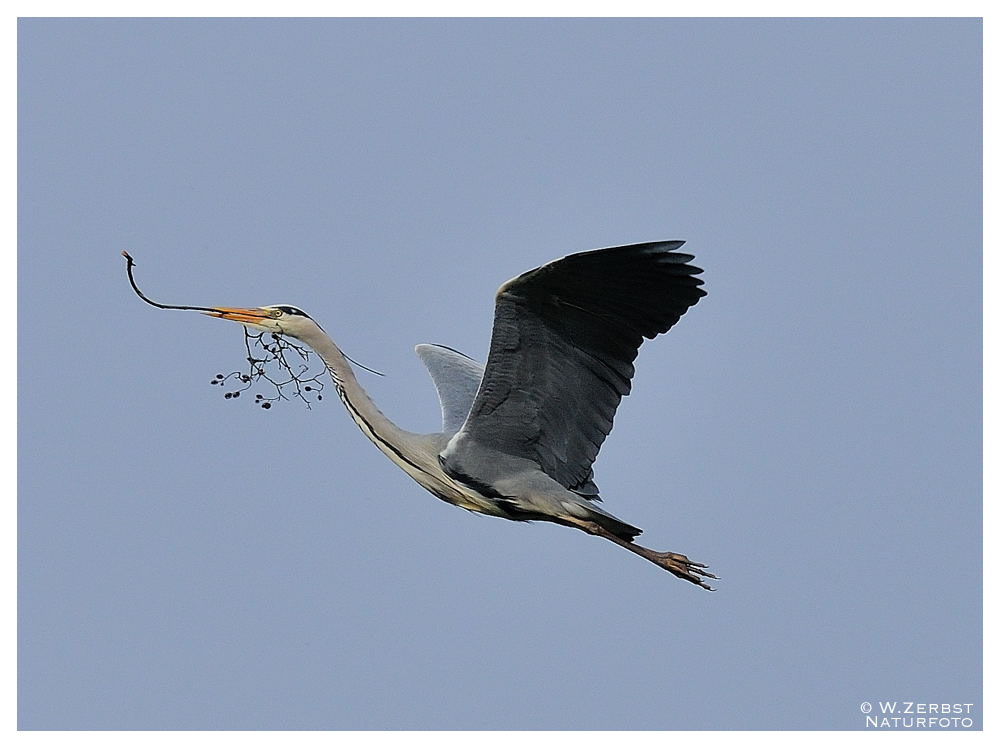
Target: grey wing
456, 378
564, 339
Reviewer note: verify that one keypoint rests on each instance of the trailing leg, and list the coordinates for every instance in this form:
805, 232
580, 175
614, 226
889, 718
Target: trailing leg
676, 563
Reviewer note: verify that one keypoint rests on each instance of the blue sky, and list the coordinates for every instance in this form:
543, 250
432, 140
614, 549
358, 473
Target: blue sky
812, 429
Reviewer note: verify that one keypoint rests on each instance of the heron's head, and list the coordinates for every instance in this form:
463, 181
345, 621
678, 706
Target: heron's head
280, 319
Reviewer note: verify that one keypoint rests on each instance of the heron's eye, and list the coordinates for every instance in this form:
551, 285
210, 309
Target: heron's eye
274, 313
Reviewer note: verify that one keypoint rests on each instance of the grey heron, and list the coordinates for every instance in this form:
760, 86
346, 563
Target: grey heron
519, 436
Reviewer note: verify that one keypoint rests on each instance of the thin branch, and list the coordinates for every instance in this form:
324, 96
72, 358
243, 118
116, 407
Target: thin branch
129, 263
267, 361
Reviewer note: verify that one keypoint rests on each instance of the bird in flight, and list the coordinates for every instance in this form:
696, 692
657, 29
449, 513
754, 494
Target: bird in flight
519, 436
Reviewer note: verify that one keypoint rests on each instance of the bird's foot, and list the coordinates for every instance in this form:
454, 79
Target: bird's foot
676, 563
681, 566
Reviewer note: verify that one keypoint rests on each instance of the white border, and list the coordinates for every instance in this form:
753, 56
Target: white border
513, 8
539, 8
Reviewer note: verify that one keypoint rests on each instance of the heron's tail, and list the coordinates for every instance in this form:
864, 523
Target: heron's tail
611, 523
623, 530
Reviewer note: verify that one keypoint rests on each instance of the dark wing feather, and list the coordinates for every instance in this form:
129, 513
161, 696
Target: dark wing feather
564, 339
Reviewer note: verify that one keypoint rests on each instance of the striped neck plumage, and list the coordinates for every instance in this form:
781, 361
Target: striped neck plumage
359, 404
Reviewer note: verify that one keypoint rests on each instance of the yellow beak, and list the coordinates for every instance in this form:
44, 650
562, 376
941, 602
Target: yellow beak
237, 314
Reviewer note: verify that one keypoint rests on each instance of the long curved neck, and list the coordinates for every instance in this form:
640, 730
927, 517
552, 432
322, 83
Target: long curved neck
386, 435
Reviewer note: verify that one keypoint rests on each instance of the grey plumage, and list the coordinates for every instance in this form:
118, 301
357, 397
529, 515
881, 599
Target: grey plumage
456, 378
519, 437
570, 330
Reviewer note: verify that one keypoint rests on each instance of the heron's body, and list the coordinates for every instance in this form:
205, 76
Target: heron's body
519, 435
508, 487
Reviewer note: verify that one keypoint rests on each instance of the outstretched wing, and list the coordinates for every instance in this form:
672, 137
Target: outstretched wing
456, 377
564, 339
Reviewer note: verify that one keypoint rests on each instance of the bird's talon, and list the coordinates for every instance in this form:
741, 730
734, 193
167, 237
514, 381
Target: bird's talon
681, 566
